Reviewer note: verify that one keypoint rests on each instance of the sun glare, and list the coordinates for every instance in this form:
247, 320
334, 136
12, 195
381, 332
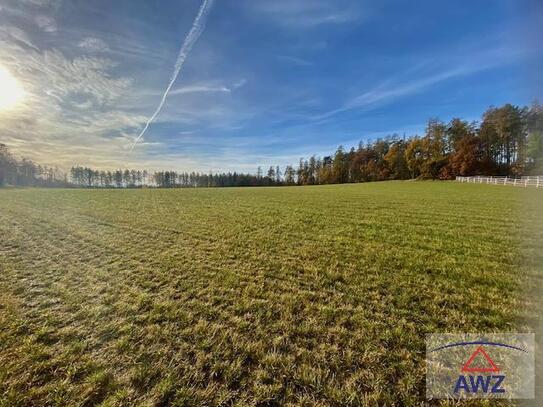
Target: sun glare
11, 91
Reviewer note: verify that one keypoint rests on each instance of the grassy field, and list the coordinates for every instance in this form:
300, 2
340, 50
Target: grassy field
256, 296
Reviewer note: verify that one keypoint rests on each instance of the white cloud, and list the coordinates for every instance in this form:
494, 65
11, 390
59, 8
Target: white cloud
308, 13
239, 84
295, 60
51, 4
91, 44
200, 88
211, 86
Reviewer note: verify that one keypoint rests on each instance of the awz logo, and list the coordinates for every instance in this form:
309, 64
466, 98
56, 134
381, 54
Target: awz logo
485, 384
480, 366
479, 374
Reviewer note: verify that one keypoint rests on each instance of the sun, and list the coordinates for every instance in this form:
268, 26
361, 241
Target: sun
11, 91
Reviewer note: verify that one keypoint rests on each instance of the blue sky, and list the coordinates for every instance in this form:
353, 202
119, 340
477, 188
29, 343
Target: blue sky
266, 83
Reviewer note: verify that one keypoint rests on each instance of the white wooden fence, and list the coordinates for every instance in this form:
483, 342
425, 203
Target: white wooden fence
531, 181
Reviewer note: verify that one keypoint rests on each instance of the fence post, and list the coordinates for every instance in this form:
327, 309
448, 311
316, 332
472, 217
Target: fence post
515, 182
505, 181
526, 183
537, 184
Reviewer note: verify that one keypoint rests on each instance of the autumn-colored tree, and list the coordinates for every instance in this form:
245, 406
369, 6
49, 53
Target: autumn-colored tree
467, 157
339, 167
415, 155
325, 171
435, 149
457, 130
396, 161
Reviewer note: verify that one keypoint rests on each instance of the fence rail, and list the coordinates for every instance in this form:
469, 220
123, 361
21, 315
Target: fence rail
528, 181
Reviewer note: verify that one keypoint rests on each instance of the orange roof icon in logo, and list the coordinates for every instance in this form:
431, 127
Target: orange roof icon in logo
490, 365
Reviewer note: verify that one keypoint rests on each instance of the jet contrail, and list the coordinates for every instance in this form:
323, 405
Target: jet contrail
196, 30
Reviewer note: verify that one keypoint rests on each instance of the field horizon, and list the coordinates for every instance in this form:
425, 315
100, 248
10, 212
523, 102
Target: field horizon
316, 295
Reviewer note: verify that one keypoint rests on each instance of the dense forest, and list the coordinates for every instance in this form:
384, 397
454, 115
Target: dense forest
507, 141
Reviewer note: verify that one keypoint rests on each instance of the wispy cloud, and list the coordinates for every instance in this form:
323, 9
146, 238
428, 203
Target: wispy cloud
71, 105
91, 44
18, 35
309, 13
295, 60
43, 3
204, 87
200, 88
422, 78
388, 92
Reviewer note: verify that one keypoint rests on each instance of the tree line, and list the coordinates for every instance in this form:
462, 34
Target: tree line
88, 177
25, 172
507, 141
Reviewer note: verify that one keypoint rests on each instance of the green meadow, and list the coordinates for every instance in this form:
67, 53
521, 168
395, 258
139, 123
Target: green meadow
252, 296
